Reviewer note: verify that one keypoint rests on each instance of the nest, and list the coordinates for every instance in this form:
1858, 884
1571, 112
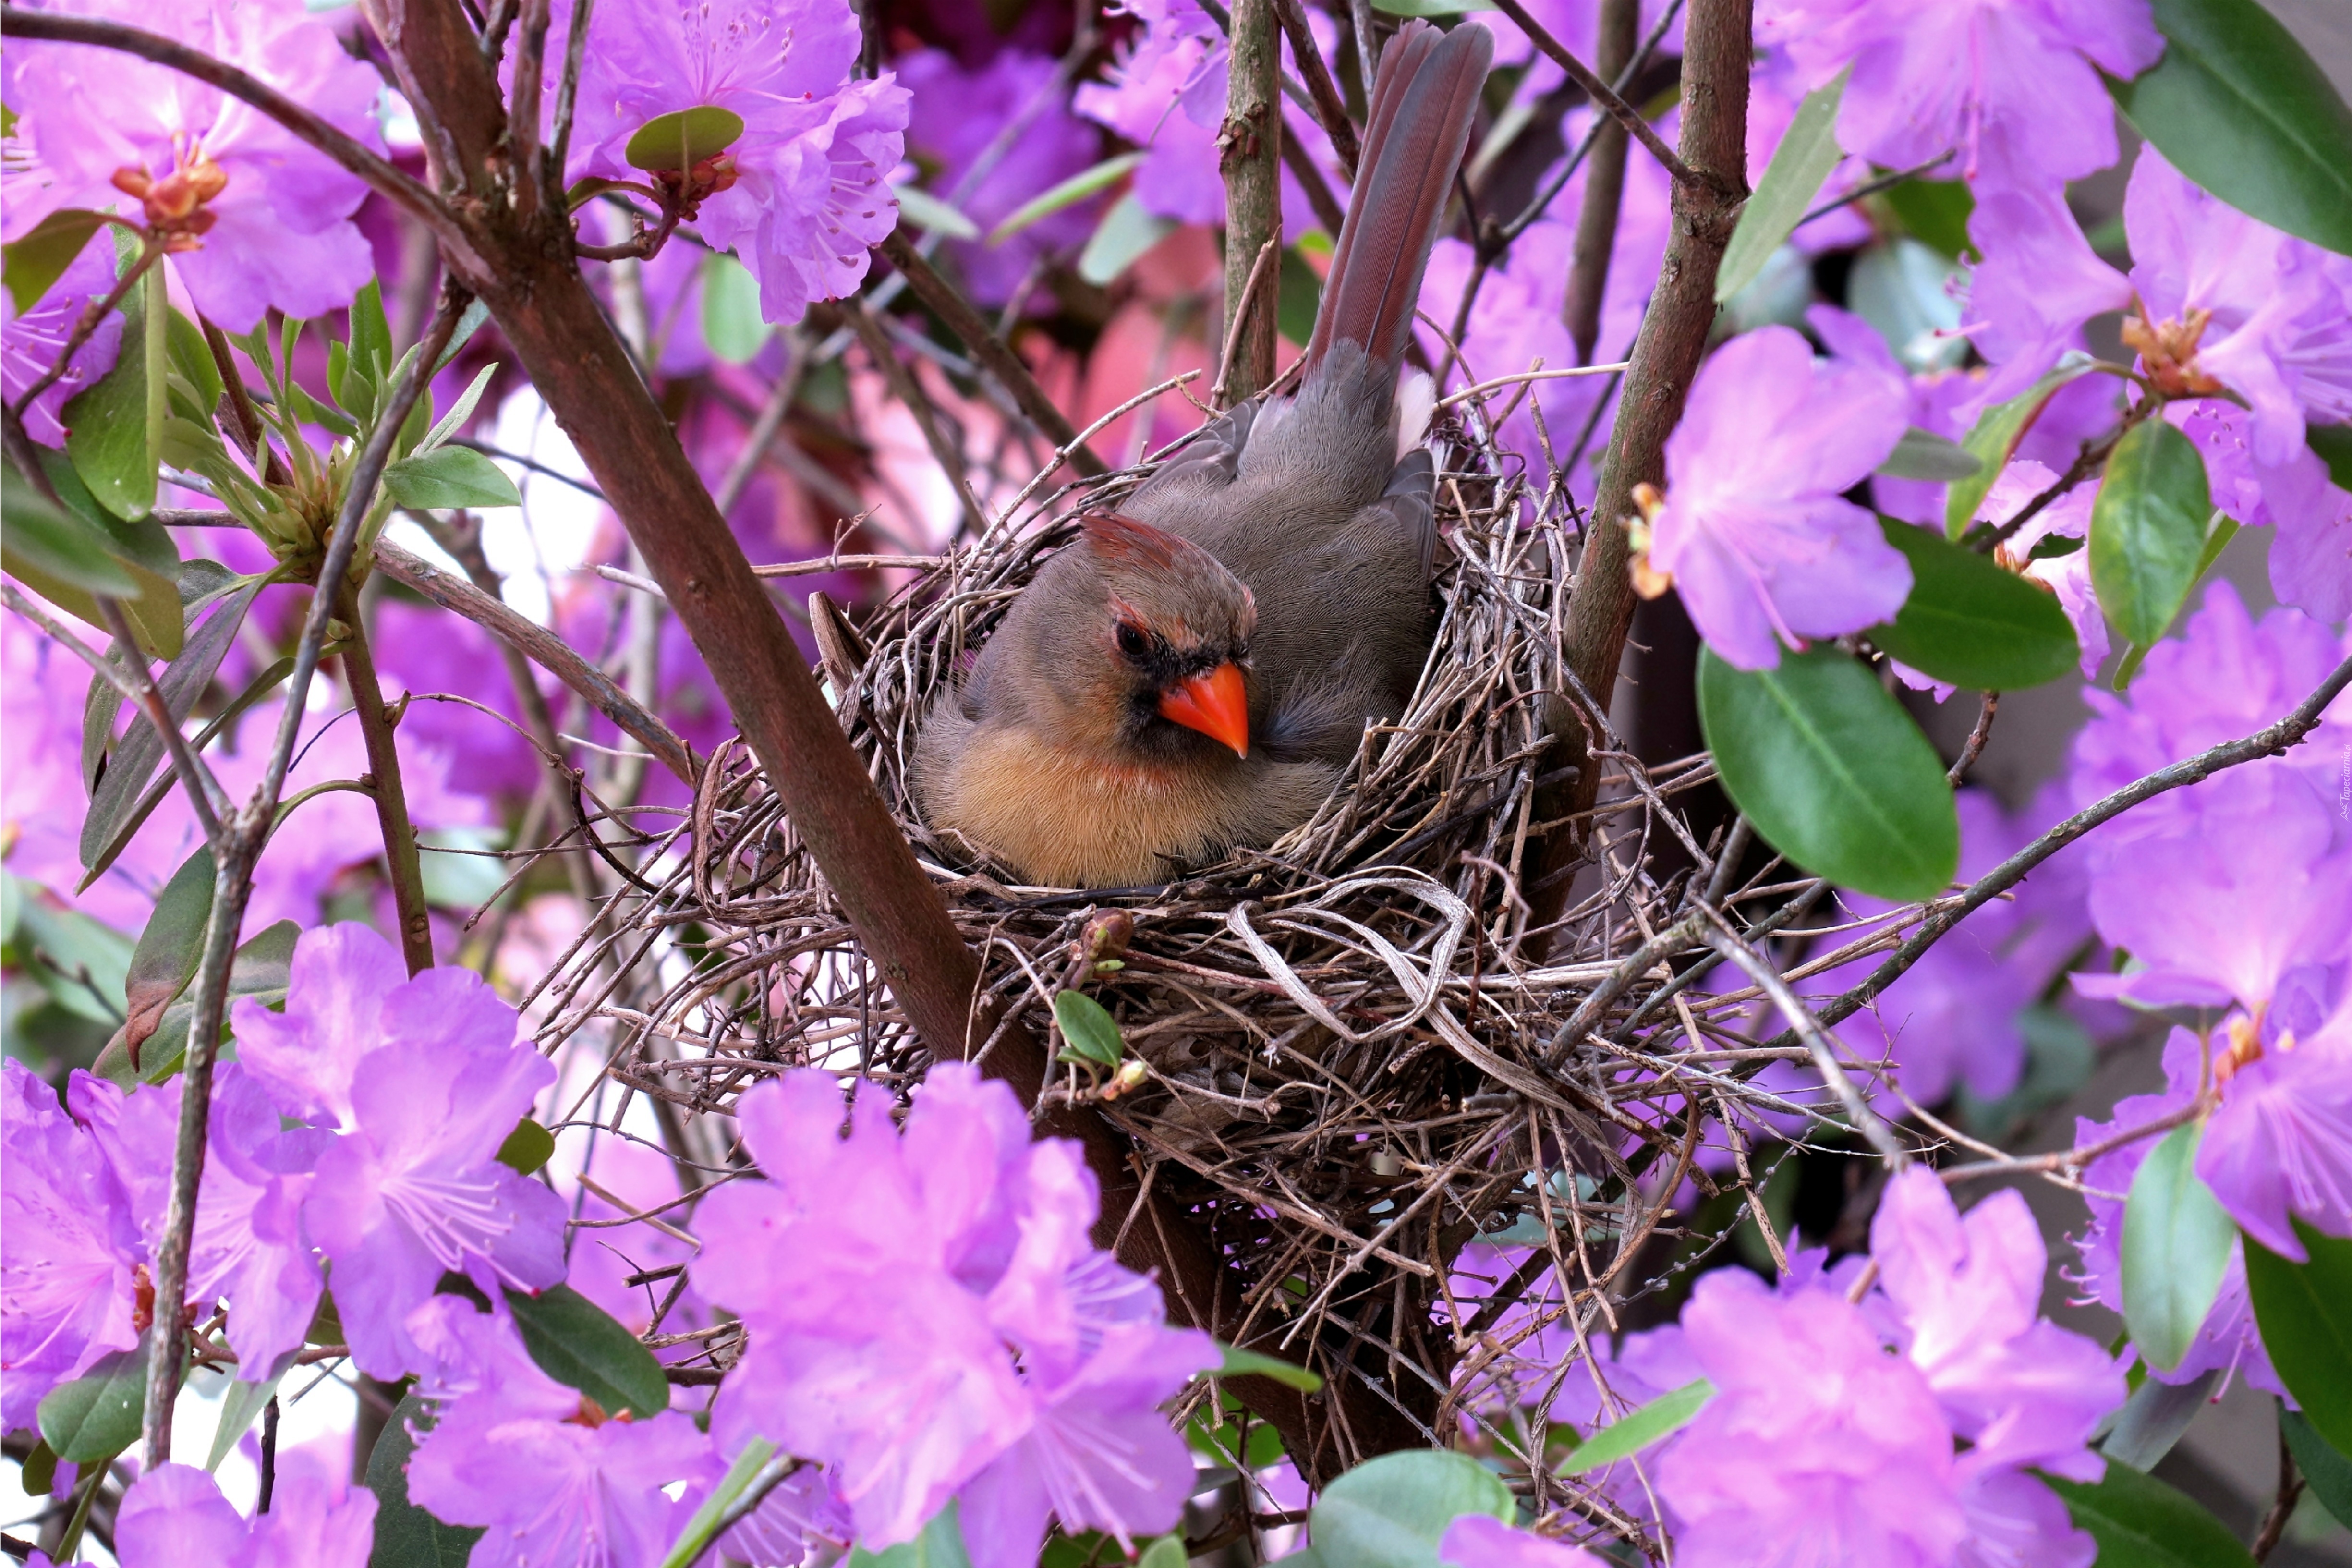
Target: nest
1347, 1039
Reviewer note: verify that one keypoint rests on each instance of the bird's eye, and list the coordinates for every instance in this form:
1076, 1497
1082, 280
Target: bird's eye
1132, 640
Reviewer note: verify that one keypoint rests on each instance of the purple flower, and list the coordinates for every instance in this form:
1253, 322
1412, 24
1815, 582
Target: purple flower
249, 1242
2228, 1340
1754, 532
30, 341
1476, 1541
2011, 86
885, 1281
71, 1265
792, 1523
1816, 1440
1937, 399
424, 1080
2311, 557
803, 192
175, 1514
2039, 282
956, 116
2280, 1144
256, 217
2068, 575
556, 1480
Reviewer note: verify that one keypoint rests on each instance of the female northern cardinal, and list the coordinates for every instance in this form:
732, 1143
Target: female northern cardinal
1190, 674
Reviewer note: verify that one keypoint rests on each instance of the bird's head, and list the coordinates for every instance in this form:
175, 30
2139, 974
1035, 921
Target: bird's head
1147, 636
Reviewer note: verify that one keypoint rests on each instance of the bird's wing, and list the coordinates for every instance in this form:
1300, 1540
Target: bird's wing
1209, 464
1409, 506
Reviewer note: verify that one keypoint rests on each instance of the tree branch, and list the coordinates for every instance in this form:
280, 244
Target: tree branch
1250, 158
1330, 108
1604, 185
402, 866
1697, 170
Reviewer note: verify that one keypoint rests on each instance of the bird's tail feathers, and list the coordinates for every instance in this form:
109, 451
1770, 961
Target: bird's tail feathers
1424, 101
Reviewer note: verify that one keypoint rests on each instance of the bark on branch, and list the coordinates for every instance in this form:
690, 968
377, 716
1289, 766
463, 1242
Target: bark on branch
1250, 156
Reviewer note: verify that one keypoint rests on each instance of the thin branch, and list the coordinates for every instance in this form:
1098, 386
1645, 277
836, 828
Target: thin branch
1330, 108
1220, 396
1249, 157
910, 394
543, 649
1604, 186
1605, 98
403, 868
1872, 187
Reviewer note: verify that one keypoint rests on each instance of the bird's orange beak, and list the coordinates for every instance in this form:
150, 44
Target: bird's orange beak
1216, 704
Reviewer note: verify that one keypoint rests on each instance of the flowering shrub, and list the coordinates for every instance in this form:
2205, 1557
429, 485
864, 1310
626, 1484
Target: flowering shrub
478, 352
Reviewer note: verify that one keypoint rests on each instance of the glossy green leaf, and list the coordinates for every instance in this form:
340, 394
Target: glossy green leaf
1089, 1034
2305, 1311
40, 1472
2175, 1247
1167, 1551
2238, 106
2333, 445
2141, 1523
1808, 152
406, 1535
1391, 1512
1068, 193
1924, 455
114, 429
191, 359
2328, 1471
38, 259
96, 1417
702, 1527
240, 1408
1833, 773
581, 1346
165, 958
260, 969
928, 213
449, 477
1969, 623
1127, 231
2149, 529
1239, 1363
1637, 1429
371, 334
528, 1147
939, 1546
42, 543
1997, 432
683, 139
1935, 211
731, 324
140, 750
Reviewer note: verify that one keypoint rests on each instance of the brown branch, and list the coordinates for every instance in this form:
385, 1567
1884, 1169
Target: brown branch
404, 871
542, 648
1249, 157
1010, 370
1697, 170
1718, 54
1604, 185
1301, 164
1330, 108
910, 394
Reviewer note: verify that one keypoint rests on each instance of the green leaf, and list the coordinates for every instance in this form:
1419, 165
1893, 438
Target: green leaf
77, 961
2305, 1311
1637, 1429
1300, 298
1088, 1033
1969, 623
2175, 1247
2333, 445
1239, 1363
114, 430
40, 1472
2141, 1523
1808, 152
528, 1147
1998, 431
2239, 107
140, 750
1167, 1551
731, 324
2148, 529
371, 334
1389, 1512
679, 140
260, 969
1429, 8
240, 1408
939, 1546
41, 542
927, 212
1924, 455
1832, 772
1069, 193
406, 1535
191, 359
37, 260
165, 958
579, 1344
449, 476
2155, 1417
459, 411
1127, 231
2328, 1471
701, 1528
145, 550
96, 1416
1936, 212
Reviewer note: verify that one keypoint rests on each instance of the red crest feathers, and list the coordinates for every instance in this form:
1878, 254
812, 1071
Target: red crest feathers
1114, 536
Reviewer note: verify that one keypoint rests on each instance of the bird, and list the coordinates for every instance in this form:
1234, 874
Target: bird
1193, 671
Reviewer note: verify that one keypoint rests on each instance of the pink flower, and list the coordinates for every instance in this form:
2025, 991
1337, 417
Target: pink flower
2067, 575
1754, 532
31, 339
175, 1514
259, 218
1474, 1540
2280, 1144
2038, 284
